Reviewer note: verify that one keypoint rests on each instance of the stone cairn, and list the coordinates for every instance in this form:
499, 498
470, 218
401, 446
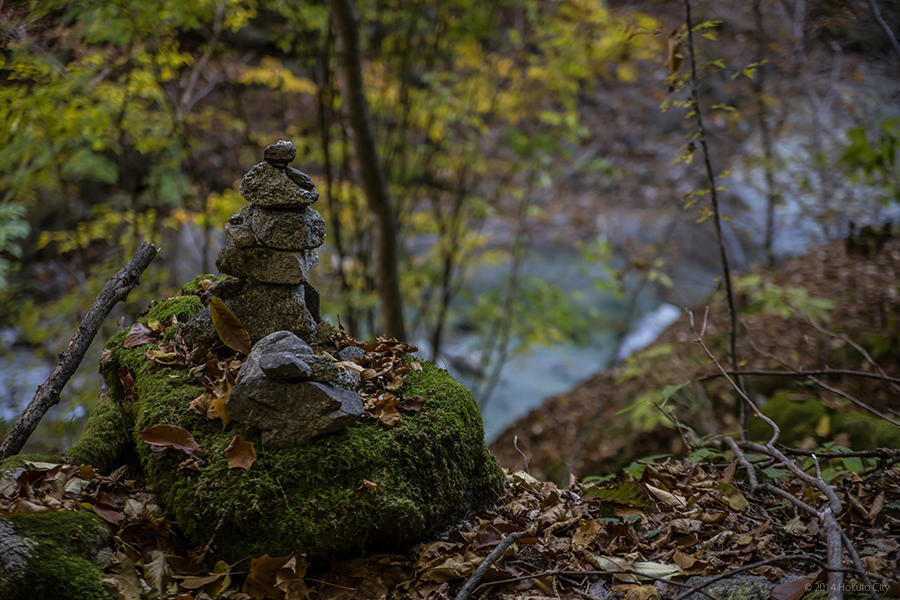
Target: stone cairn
273, 247
284, 389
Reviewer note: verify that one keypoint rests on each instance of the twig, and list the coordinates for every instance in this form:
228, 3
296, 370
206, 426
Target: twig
806, 373
733, 572
833, 542
876, 453
884, 26
522, 454
846, 339
115, 290
714, 200
824, 385
487, 563
751, 472
861, 571
776, 431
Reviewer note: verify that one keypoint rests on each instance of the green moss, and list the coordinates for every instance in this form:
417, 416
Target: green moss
18, 460
431, 467
60, 567
182, 307
106, 436
797, 418
866, 430
191, 286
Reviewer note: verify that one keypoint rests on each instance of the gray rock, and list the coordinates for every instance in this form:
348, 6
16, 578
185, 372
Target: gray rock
739, 587
302, 229
349, 380
300, 178
289, 414
351, 352
267, 265
239, 233
284, 366
280, 153
269, 186
279, 342
261, 308
224, 289
321, 369
312, 301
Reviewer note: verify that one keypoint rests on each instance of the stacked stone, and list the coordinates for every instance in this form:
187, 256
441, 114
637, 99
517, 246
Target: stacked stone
274, 241
276, 236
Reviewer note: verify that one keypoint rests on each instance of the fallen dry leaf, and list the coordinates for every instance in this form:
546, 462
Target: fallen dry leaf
138, 335
230, 329
241, 454
170, 436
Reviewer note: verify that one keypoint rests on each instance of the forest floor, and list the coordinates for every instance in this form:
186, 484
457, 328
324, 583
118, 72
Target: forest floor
691, 524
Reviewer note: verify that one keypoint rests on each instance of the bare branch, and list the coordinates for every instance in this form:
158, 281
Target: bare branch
115, 290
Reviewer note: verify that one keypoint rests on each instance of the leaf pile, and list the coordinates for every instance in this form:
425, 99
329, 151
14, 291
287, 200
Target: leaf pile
644, 535
381, 373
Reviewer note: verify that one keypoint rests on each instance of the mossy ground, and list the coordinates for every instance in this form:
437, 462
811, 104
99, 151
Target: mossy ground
430, 467
60, 567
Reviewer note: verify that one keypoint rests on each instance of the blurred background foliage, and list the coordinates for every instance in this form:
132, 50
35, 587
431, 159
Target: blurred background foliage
128, 120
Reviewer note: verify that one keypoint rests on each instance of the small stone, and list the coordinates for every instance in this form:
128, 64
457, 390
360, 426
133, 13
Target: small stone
278, 342
268, 186
289, 414
302, 229
284, 366
266, 264
239, 233
300, 178
351, 352
349, 380
321, 369
280, 153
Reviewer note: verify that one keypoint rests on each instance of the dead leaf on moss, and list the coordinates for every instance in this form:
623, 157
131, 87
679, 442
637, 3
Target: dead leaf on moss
366, 487
170, 436
230, 329
241, 454
260, 582
138, 335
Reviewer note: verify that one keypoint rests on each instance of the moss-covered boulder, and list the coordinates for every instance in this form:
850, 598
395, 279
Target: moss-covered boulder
54, 555
316, 498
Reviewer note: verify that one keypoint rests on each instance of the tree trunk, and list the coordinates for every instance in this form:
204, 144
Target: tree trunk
346, 27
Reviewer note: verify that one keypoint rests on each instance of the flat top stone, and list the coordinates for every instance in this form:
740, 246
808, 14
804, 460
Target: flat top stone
270, 186
280, 153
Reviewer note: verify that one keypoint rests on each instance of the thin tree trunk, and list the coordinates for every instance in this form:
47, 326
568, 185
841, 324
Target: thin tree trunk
346, 25
765, 132
717, 219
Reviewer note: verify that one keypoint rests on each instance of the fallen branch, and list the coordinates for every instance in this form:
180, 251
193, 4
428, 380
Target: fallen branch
806, 373
487, 563
114, 291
